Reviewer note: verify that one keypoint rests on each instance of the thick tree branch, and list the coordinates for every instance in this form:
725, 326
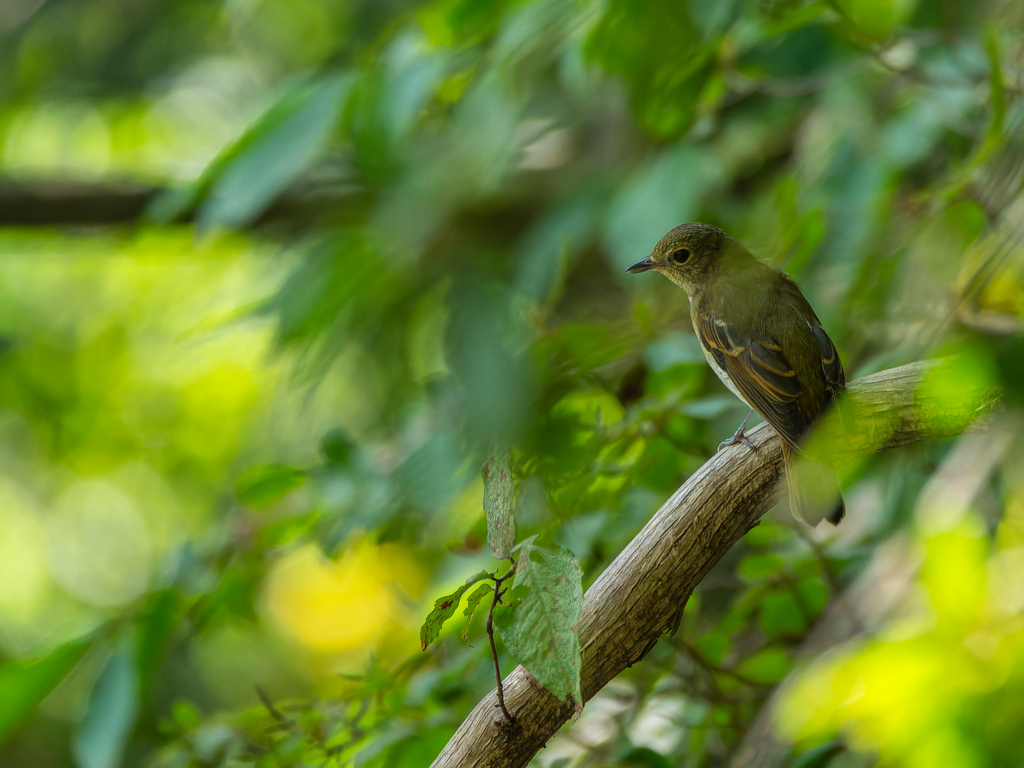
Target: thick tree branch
33, 204
642, 593
62, 203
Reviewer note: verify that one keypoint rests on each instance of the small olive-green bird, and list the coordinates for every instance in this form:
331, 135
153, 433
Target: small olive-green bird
764, 341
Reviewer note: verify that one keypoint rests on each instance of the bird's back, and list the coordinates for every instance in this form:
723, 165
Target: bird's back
773, 312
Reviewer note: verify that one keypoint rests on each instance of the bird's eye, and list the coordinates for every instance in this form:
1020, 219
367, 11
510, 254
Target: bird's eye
680, 256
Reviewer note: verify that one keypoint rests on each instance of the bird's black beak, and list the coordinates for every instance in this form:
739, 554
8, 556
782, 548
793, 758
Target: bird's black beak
641, 266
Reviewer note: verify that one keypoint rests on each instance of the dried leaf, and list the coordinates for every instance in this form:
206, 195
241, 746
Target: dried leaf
499, 493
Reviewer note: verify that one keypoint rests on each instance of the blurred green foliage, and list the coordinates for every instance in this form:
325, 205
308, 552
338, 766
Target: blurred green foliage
241, 435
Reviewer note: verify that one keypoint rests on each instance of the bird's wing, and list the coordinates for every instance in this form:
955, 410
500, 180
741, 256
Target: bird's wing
759, 371
831, 365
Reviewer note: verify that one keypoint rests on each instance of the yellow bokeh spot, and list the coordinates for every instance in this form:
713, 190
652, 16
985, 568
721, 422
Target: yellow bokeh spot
954, 574
24, 578
337, 607
905, 694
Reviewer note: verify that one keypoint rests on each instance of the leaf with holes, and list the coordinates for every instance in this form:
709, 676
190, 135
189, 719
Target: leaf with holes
444, 609
499, 493
472, 603
539, 627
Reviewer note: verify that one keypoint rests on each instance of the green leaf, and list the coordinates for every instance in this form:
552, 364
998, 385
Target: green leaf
656, 49
262, 486
879, 18
769, 665
155, 625
781, 615
185, 715
337, 447
766, 532
430, 478
444, 609
499, 493
644, 757
26, 683
539, 629
813, 593
997, 97
819, 756
812, 229
472, 603
757, 567
276, 150
410, 751
110, 719
713, 647
595, 345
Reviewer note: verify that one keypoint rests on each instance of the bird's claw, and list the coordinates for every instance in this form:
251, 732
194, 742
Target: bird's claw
738, 436
736, 439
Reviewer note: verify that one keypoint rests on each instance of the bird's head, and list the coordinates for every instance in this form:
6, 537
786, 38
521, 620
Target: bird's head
687, 254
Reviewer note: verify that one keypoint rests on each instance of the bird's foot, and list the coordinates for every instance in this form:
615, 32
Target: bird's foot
738, 437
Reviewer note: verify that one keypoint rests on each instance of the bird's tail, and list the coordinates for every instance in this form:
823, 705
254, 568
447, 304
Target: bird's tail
814, 493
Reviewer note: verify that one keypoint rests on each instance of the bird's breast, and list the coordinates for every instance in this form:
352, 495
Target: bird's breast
719, 371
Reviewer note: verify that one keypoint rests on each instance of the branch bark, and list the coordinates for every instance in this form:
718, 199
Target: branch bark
641, 595
69, 203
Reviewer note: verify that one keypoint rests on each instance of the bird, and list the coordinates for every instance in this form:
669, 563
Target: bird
763, 340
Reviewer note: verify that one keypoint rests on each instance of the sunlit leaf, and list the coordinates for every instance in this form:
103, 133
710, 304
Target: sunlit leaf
472, 603
444, 609
538, 629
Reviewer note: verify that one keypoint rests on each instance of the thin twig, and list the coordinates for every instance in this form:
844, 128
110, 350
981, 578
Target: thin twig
714, 669
274, 711
498, 592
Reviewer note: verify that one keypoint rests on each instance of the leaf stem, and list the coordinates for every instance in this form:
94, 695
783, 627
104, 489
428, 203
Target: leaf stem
498, 592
